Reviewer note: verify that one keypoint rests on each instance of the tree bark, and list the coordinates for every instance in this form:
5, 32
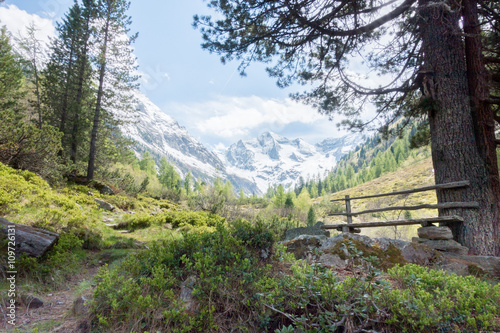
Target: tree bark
482, 112
456, 152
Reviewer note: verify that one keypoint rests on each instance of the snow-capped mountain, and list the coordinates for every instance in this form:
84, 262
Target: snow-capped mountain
157, 132
253, 165
272, 159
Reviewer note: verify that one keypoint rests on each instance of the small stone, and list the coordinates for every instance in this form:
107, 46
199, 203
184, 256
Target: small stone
81, 305
32, 302
187, 293
435, 233
105, 189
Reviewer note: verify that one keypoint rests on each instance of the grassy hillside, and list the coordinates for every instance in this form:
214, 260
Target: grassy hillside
409, 176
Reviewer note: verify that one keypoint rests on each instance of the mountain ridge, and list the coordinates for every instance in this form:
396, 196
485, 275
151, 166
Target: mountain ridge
252, 165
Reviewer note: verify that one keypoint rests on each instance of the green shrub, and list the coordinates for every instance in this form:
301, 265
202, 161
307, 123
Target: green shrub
255, 236
195, 219
143, 293
432, 300
234, 290
60, 263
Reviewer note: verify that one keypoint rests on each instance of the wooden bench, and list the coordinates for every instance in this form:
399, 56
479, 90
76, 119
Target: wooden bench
354, 227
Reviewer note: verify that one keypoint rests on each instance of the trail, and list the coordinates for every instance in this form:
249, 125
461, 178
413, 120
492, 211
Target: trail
56, 314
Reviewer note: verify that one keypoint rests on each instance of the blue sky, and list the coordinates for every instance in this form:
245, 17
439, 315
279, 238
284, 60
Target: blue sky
211, 100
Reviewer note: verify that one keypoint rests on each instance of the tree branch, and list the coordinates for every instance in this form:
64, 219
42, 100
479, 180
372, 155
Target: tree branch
353, 32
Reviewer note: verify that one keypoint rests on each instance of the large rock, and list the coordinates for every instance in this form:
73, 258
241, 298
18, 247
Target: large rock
421, 254
472, 265
438, 254
443, 245
105, 205
303, 245
314, 230
333, 241
31, 241
435, 233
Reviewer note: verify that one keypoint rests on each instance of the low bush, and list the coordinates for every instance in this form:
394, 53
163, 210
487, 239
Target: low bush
233, 289
143, 293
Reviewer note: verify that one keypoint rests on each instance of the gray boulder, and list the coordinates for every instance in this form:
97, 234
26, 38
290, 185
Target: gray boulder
443, 245
303, 245
31, 241
314, 230
105, 205
472, 265
435, 233
421, 254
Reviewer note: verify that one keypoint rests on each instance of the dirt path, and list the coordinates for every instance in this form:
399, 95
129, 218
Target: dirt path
56, 314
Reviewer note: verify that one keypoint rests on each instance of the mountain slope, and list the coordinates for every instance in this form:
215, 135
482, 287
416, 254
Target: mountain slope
160, 134
272, 159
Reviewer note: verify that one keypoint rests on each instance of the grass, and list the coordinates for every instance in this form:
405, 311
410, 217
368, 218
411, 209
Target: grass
410, 176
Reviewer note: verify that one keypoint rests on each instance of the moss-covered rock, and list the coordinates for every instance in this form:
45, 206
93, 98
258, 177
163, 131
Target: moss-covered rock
303, 245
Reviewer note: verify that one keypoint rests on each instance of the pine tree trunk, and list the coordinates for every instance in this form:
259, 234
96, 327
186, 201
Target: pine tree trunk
481, 110
456, 153
100, 91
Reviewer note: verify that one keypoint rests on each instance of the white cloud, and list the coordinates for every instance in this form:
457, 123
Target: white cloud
17, 21
238, 116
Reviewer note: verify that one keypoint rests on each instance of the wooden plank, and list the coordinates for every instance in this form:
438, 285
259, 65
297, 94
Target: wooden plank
425, 206
395, 222
460, 184
349, 215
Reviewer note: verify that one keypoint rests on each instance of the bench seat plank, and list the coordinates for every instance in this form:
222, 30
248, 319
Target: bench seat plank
442, 219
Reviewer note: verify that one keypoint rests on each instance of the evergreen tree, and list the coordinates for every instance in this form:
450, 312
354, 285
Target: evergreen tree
67, 84
32, 51
167, 175
11, 79
289, 201
188, 183
115, 65
279, 197
311, 216
241, 196
147, 164
22, 144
